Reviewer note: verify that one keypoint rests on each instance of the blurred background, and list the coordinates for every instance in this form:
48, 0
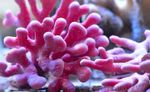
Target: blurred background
6, 5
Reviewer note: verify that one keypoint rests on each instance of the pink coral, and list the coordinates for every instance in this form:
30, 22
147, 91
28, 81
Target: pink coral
23, 17
54, 44
134, 83
130, 56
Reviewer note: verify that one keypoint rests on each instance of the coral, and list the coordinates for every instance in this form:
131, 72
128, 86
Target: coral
128, 14
134, 83
23, 17
129, 57
51, 46
110, 23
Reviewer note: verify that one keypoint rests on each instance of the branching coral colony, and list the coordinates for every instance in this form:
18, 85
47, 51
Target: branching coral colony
51, 45
118, 61
60, 46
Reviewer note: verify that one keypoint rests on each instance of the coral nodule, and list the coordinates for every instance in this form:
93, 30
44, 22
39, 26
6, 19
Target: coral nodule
51, 46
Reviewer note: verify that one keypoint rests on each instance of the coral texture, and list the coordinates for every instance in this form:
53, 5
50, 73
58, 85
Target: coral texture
51, 46
128, 57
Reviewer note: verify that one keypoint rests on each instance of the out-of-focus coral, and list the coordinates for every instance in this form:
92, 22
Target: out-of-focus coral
127, 12
51, 45
23, 17
110, 23
130, 56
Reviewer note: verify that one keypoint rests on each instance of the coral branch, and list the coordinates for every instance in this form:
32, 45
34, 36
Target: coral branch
54, 45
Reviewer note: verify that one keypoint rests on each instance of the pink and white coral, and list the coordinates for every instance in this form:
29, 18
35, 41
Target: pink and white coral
52, 45
24, 17
130, 56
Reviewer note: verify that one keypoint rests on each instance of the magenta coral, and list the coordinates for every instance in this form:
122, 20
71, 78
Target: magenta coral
54, 45
23, 17
130, 56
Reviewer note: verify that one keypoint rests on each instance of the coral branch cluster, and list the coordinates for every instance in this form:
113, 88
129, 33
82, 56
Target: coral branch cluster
128, 57
51, 45
55, 47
